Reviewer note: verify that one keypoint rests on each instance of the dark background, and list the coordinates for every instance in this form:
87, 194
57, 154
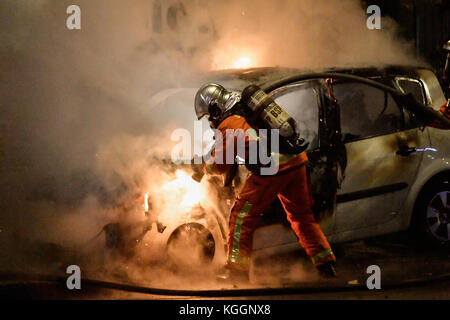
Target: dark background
425, 22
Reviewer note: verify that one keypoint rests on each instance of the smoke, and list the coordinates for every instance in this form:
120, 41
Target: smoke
306, 34
80, 131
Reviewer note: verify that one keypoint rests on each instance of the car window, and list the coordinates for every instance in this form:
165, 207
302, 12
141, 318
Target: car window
300, 101
415, 87
366, 111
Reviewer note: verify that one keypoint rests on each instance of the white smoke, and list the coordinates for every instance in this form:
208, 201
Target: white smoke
78, 126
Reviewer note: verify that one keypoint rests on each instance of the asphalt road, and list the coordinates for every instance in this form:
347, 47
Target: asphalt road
408, 271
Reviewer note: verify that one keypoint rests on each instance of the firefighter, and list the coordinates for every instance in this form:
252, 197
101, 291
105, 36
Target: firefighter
289, 184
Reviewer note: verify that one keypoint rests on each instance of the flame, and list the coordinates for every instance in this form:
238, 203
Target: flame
242, 63
184, 186
146, 207
230, 59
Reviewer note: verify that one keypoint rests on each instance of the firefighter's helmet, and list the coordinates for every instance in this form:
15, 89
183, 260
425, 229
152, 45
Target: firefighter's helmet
214, 100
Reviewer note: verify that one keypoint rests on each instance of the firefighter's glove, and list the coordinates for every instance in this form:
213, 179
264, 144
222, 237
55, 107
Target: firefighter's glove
197, 167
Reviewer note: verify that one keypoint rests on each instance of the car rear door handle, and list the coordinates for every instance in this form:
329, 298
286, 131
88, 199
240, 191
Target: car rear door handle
405, 151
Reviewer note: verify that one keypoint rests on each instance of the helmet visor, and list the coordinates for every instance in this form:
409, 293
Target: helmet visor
201, 105
207, 96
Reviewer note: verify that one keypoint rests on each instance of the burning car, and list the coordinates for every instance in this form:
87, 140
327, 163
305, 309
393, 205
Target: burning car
375, 167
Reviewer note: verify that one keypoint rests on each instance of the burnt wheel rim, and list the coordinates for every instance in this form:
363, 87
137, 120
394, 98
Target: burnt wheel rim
438, 216
191, 245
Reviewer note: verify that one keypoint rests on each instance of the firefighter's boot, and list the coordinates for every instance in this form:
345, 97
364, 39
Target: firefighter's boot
233, 276
326, 270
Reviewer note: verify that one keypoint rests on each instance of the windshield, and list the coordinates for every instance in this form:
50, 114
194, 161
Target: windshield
173, 109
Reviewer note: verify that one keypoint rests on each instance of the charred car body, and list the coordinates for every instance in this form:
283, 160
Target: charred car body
375, 167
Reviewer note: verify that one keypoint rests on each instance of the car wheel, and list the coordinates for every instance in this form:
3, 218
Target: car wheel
191, 245
433, 214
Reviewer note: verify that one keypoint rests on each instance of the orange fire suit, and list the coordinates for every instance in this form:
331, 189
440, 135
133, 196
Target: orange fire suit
289, 185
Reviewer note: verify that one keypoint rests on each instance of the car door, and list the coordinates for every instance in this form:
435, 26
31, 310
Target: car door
301, 100
380, 140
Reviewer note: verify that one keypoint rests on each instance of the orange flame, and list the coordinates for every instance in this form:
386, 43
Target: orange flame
189, 190
242, 63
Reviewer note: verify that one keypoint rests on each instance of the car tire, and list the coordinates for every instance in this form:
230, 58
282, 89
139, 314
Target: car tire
191, 245
432, 214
